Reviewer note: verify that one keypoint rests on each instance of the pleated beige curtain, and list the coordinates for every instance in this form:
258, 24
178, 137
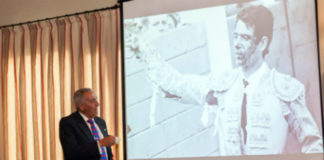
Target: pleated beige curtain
41, 65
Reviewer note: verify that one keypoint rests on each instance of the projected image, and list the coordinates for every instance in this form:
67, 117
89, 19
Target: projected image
235, 79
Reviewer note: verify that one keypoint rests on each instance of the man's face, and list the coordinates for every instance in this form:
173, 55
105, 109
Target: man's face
160, 24
245, 46
89, 106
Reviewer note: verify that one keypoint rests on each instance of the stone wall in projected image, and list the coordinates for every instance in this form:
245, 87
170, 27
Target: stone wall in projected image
175, 128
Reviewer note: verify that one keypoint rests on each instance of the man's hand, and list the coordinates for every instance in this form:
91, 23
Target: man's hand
108, 141
210, 99
128, 129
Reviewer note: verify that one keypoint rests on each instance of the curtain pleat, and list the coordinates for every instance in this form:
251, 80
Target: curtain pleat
76, 47
28, 108
11, 102
56, 89
41, 66
16, 58
2, 151
44, 54
66, 69
118, 98
94, 50
36, 63
86, 54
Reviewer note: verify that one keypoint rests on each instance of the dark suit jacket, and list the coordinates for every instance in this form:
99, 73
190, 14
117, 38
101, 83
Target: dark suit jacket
77, 140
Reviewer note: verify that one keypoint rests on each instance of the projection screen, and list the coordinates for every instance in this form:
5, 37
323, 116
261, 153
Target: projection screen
222, 79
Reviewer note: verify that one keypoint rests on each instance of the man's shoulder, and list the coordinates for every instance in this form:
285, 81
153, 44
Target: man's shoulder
73, 115
99, 120
71, 118
224, 80
285, 86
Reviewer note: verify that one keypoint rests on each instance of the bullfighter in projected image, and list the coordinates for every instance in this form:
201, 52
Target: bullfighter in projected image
254, 106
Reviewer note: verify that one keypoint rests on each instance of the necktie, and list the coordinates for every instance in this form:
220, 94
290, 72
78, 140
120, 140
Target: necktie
95, 134
243, 113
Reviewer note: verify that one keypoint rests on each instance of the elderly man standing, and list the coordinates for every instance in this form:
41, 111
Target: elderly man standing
83, 135
254, 106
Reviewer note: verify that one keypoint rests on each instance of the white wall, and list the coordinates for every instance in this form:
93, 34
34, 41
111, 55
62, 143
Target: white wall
16, 11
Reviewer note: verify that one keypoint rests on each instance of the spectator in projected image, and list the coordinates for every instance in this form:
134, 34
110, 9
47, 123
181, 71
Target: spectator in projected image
137, 29
254, 106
